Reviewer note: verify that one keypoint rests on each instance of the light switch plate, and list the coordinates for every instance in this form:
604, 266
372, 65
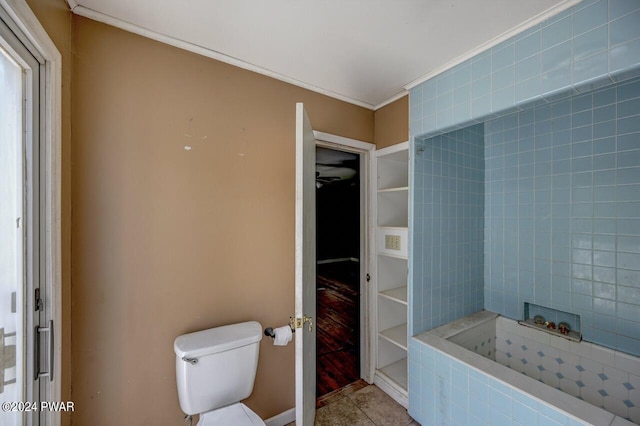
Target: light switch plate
392, 242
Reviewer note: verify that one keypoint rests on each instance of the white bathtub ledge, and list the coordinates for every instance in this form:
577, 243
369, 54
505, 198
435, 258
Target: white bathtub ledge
455, 327
619, 421
553, 398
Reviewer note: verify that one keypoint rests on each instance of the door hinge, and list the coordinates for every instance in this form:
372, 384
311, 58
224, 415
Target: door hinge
368, 278
299, 322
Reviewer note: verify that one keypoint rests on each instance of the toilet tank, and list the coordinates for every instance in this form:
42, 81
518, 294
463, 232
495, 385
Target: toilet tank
220, 368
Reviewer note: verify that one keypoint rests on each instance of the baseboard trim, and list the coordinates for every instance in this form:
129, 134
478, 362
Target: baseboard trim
391, 388
338, 260
282, 419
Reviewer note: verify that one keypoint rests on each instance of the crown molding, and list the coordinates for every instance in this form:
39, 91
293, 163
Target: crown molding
392, 99
495, 41
204, 51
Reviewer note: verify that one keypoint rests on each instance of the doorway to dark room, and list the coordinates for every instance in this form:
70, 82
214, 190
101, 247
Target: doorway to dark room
338, 237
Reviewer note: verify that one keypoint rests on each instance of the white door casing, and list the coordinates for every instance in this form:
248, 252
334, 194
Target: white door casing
366, 152
305, 268
33, 36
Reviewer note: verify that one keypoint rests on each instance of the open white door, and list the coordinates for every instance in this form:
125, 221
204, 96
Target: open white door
305, 269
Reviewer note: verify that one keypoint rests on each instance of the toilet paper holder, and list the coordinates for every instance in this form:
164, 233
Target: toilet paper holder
269, 332
293, 324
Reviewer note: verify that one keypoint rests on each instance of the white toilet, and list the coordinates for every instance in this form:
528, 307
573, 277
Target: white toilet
215, 370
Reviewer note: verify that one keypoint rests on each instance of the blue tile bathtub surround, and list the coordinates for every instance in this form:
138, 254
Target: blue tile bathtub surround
448, 226
557, 110
562, 212
443, 391
448, 386
592, 43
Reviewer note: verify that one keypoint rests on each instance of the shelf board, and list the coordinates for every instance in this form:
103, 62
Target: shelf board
395, 256
396, 335
396, 294
397, 372
395, 189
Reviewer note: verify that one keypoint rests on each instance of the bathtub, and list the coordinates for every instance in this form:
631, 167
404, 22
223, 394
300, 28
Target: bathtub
488, 369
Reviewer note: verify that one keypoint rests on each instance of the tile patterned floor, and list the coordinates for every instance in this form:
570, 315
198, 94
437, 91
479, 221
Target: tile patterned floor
360, 404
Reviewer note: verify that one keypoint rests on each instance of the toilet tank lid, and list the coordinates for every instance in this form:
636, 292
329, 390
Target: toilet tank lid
218, 339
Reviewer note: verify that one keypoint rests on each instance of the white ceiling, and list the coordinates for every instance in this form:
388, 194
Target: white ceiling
362, 51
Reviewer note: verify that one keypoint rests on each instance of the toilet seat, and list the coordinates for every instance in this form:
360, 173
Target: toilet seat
236, 414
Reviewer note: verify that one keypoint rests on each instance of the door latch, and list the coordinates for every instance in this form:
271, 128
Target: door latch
299, 322
37, 303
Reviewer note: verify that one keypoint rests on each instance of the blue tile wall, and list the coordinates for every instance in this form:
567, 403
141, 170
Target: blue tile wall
445, 391
592, 43
562, 199
448, 223
562, 212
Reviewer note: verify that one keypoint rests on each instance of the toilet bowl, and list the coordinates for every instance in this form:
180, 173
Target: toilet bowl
236, 414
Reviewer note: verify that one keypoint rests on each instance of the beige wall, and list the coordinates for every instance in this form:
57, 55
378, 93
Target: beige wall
56, 19
168, 241
392, 123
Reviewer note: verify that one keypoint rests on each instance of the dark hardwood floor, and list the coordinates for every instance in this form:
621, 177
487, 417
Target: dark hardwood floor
338, 319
